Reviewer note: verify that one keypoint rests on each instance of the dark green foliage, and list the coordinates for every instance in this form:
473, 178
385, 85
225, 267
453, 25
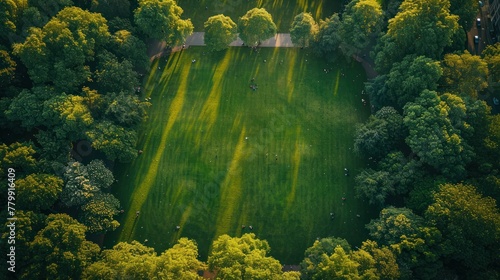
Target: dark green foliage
328, 39
111, 8
113, 75
126, 109
303, 29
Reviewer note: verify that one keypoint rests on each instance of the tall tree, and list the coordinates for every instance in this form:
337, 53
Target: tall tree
327, 41
131, 48
99, 212
28, 106
465, 74
360, 20
338, 265
422, 27
77, 190
470, 224
125, 109
60, 52
466, 10
38, 191
60, 250
405, 81
161, 20
313, 255
255, 26
243, 258
303, 30
376, 260
136, 261
20, 156
491, 55
99, 174
437, 127
220, 31
115, 141
113, 75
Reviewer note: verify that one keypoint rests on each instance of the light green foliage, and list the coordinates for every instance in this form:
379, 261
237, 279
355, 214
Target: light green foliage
394, 223
7, 68
437, 129
98, 213
243, 258
314, 254
19, 156
361, 20
136, 261
405, 81
220, 31
422, 27
492, 141
338, 265
69, 114
161, 20
99, 174
126, 109
61, 51
465, 74
376, 261
113, 75
38, 191
115, 141
303, 29
470, 224
60, 250
78, 190
466, 10
255, 26
130, 48
181, 261
328, 39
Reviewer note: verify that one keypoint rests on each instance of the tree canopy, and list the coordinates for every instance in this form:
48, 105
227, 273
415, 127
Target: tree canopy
255, 26
303, 29
220, 31
161, 20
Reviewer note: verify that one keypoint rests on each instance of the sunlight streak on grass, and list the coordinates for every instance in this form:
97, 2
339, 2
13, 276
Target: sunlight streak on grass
337, 80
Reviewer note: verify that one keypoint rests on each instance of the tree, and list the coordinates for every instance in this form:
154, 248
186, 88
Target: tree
373, 259
465, 74
338, 265
255, 26
220, 31
327, 40
466, 11
136, 261
437, 129
422, 27
360, 20
129, 47
181, 261
416, 245
243, 258
28, 106
314, 254
491, 55
38, 191
99, 212
99, 174
115, 141
19, 156
59, 250
380, 134
113, 75
405, 81
126, 109
470, 224
303, 29
77, 190
374, 185
161, 20
7, 68
60, 52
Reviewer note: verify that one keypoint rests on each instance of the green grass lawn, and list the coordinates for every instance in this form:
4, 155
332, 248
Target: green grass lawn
283, 11
219, 155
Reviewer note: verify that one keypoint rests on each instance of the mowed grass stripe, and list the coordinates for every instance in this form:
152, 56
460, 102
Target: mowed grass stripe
141, 192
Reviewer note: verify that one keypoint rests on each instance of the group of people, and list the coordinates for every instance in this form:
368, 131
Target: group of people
253, 85
250, 227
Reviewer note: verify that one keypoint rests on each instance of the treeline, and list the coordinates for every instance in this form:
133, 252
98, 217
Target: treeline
69, 80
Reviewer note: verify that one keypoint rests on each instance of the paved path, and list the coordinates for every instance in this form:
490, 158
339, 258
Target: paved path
280, 40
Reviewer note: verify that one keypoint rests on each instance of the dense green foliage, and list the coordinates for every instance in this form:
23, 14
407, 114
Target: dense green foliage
71, 77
